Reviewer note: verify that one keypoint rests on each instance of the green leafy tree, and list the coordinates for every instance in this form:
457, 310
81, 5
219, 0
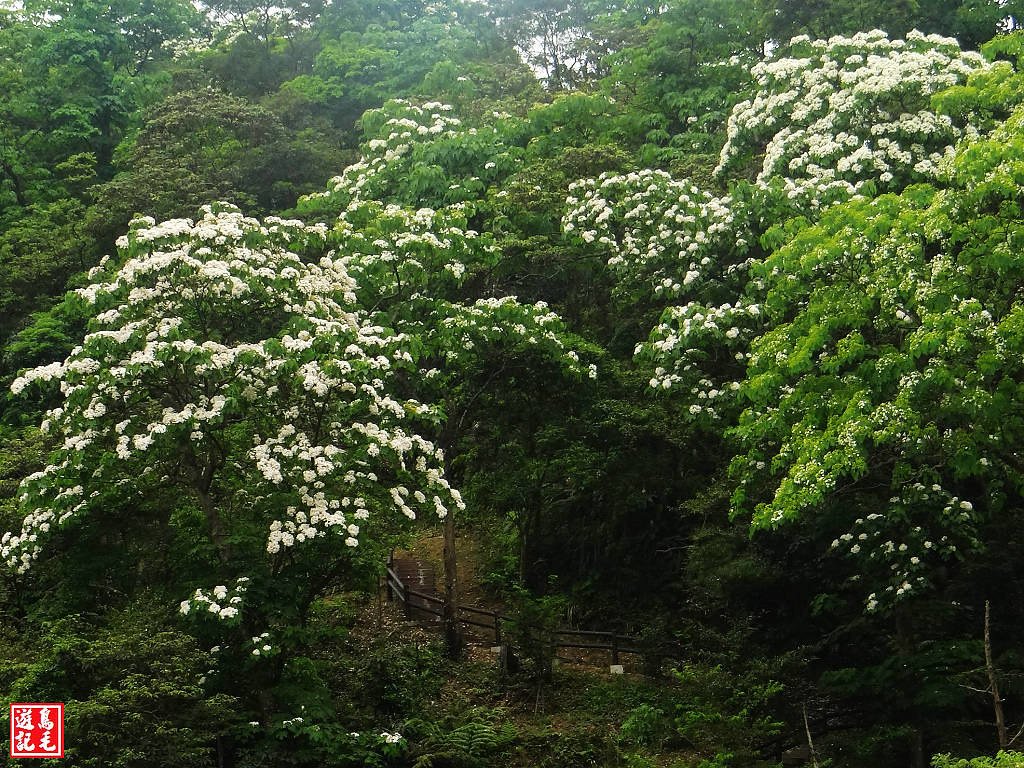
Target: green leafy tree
559, 37
670, 239
201, 145
971, 22
73, 77
904, 334
685, 67
84, 68
165, 439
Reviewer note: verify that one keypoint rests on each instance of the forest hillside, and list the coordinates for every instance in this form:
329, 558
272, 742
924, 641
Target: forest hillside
696, 325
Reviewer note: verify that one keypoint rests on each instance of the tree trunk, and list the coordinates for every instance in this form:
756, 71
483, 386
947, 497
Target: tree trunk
917, 748
217, 532
993, 683
452, 628
810, 741
16, 184
905, 647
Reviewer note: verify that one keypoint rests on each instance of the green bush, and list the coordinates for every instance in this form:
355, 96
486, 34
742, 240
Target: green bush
471, 740
1001, 760
530, 626
724, 715
395, 678
133, 691
645, 726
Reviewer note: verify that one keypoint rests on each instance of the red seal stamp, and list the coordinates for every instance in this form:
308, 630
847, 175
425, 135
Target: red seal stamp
37, 730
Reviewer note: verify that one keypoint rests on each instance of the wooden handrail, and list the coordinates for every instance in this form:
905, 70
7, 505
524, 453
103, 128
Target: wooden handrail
616, 643
481, 611
424, 596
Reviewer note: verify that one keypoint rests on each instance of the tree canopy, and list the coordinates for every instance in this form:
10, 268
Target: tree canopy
694, 326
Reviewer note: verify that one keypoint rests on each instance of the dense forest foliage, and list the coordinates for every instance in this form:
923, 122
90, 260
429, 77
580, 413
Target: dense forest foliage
700, 320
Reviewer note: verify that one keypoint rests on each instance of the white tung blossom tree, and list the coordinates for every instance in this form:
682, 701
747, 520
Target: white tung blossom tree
227, 360
426, 272
292, 382
832, 120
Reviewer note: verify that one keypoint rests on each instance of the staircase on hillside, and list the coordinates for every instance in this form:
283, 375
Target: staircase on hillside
421, 579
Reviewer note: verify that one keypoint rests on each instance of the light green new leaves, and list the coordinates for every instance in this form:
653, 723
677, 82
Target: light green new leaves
897, 362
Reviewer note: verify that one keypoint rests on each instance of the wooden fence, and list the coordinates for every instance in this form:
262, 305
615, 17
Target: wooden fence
414, 600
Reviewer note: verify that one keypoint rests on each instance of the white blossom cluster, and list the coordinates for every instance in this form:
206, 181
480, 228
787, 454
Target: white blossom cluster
904, 553
220, 602
893, 368
669, 240
410, 264
397, 138
291, 452
203, 326
388, 737
504, 321
831, 115
404, 138
667, 235
409, 253
261, 646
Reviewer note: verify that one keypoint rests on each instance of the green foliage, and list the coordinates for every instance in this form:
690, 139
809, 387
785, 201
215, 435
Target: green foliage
971, 22
397, 678
685, 68
529, 627
296, 742
475, 738
46, 336
848, 402
881, 404
552, 748
645, 726
726, 716
75, 74
558, 37
133, 689
40, 248
204, 145
1001, 760
340, 61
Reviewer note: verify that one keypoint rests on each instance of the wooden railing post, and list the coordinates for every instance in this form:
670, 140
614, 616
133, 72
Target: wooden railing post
387, 575
491, 620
